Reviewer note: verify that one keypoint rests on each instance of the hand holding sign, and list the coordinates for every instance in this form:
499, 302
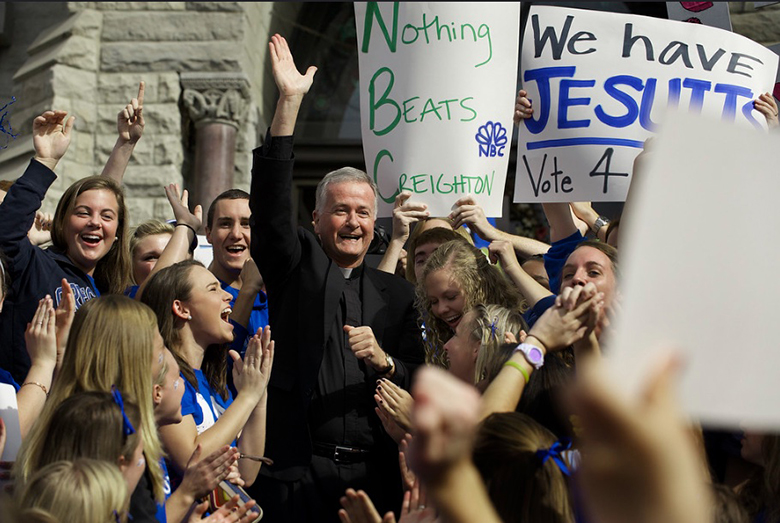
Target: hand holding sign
405, 213
523, 107
766, 105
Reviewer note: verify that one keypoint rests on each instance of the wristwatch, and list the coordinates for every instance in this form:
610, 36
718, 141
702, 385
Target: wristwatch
532, 353
390, 365
600, 222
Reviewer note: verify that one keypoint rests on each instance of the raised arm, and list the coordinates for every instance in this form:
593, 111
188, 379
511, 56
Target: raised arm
292, 86
244, 418
766, 105
130, 127
404, 214
595, 222
273, 225
556, 329
184, 234
445, 422
531, 289
51, 138
468, 212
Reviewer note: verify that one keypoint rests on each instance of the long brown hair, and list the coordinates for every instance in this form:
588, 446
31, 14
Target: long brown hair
112, 273
522, 487
163, 288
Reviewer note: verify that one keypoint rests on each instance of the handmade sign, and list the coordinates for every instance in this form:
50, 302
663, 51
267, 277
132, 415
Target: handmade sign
681, 287
600, 84
437, 90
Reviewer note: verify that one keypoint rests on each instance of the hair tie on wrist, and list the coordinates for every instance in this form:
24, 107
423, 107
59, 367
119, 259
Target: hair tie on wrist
194, 244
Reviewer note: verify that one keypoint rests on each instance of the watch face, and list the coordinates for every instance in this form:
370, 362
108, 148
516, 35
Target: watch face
535, 355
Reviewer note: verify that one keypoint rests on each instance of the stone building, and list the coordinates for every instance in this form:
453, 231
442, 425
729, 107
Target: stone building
209, 88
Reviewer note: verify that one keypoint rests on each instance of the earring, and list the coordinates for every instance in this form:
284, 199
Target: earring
189, 318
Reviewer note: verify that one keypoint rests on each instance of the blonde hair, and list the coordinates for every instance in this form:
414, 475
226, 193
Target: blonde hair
147, 228
110, 343
479, 282
489, 327
420, 229
90, 490
112, 273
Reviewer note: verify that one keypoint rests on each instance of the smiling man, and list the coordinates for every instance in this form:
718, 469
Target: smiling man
339, 326
228, 232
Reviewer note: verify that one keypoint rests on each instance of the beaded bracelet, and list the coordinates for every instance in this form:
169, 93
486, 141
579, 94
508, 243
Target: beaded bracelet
518, 367
41, 385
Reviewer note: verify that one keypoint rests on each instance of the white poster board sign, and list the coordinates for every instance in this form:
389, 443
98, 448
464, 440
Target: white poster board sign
437, 90
701, 281
9, 412
600, 84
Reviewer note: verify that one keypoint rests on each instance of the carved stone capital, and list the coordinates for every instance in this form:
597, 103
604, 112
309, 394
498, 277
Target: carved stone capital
216, 97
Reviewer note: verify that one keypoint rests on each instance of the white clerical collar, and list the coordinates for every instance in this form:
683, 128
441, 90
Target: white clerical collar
346, 272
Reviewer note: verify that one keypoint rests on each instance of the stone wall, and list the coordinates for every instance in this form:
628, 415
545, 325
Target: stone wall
88, 59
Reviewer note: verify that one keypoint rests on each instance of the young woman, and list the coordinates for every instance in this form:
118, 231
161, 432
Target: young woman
147, 242
477, 338
113, 343
524, 469
95, 425
193, 316
89, 237
457, 277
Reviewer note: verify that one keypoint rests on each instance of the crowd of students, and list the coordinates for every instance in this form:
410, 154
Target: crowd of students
142, 377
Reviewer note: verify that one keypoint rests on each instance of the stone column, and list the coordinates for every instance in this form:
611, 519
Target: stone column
217, 103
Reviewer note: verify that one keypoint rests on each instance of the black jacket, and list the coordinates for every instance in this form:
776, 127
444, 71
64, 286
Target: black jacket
304, 288
32, 272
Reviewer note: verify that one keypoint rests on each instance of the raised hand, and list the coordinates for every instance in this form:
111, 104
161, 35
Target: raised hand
468, 212
391, 427
766, 105
523, 107
203, 475
642, 464
230, 512
502, 251
396, 402
574, 316
358, 508
179, 204
251, 374
40, 335
414, 509
445, 419
51, 136
405, 213
63, 319
290, 82
130, 120
40, 232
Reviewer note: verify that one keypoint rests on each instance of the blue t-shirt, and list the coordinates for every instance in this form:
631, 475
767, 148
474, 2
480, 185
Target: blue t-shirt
5, 377
258, 319
203, 404
161, 517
